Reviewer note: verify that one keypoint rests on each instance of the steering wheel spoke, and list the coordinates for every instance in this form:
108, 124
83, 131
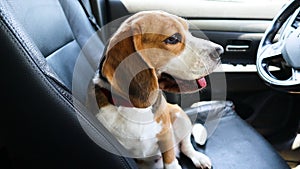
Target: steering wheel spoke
271, 50
295, 76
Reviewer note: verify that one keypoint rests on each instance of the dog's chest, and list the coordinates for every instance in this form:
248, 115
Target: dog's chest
134, 128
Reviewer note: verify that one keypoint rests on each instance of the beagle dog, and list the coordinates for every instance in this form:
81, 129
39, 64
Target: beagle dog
151, 52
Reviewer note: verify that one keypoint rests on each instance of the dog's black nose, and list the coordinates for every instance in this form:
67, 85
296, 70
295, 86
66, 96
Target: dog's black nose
216, 52
219, 49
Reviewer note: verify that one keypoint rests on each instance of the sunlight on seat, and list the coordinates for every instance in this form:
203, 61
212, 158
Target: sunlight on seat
297, 167
296, 144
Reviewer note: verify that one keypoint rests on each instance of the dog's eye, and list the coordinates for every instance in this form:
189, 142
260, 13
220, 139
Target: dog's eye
174, 39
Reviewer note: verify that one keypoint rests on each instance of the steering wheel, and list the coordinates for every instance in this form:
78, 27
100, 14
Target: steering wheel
280, 47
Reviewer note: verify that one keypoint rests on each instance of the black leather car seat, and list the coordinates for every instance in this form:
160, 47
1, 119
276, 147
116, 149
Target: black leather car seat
40, 125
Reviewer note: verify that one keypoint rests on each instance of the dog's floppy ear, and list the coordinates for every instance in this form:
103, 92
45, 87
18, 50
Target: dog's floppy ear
127, 72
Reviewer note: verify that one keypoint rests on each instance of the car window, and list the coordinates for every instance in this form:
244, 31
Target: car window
233, 9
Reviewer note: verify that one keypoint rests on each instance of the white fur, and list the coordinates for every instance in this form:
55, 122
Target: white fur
182, 127
199, 159
134, 128
173, 165
96, 79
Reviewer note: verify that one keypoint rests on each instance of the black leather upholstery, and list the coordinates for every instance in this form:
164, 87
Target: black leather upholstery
234, 144
41, 127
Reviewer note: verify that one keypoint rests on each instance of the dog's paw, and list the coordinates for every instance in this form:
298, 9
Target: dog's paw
173, 165
201, 161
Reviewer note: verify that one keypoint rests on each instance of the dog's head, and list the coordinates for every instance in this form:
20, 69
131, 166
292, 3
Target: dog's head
154, 50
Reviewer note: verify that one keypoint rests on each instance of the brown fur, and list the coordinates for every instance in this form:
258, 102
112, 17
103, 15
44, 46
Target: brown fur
166, 136
134, 56
146, 47
150, 37
100, 97
142, 92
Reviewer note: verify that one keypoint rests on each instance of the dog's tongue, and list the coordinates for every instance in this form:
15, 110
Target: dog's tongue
202, 82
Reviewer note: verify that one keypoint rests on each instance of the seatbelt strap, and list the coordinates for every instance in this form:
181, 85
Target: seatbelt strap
88, 12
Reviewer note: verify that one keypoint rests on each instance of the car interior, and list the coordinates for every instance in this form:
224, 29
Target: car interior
51, 49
